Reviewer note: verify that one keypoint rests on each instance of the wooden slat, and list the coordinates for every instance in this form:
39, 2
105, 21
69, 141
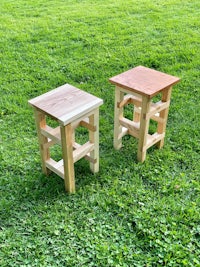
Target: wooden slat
82, 151
87, 156
129, 99
67, 150
94, 139
157, 108
66, 103
40, 120
87, 125
154, 109
157, 118
52, 133
119, 96
49, 144
133, 127
153, 139
55, 167
144, 127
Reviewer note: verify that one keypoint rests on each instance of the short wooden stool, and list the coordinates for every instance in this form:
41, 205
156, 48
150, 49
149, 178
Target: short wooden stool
138, 86
70, 107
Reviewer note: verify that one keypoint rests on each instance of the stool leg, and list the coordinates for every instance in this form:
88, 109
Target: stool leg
40, 120
136, 115
144, 127
94, 138
166, 95
118, 113
67, 150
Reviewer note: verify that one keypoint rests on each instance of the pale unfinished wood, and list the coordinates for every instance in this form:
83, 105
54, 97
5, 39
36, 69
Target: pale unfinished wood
82, 151
129, 99
154, 112
67, 150
87, 156
81, 120
155, 117
166, 95
94, 139
52, 133
136, 114
153, 139
132, 127
88, 125
49, 144
118, 114
66, 103
137, 105
124, 131
40, 121
144, 127
56, 167
155, 109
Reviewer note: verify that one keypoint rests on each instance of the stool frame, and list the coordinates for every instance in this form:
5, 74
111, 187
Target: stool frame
128, 91
64, 135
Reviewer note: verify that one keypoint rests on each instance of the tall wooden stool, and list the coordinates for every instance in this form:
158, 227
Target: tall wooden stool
138, 86
70, 107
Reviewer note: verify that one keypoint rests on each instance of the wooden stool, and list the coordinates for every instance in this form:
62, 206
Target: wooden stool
138, 86
70, 107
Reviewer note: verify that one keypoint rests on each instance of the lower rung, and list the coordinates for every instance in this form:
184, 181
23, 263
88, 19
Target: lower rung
82, 151
56, 167
153, 139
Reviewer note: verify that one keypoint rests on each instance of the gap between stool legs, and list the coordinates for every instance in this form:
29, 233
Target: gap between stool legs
40, 120
118, 113
94, 138
67, 150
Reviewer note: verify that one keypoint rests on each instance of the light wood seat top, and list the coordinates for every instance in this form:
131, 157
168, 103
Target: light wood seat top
66, 103
144, 81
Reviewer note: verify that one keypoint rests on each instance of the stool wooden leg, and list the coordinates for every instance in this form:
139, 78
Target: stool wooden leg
118, 113
144, 127
164, 115
136, 115
94, 138
67, 150
40, 121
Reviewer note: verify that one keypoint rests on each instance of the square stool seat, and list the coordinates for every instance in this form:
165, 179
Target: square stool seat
70, 107
138, 86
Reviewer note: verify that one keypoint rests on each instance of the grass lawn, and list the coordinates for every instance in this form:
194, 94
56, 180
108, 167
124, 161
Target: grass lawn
130, 213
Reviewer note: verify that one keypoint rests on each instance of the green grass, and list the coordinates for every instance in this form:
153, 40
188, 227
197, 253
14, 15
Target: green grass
129, 214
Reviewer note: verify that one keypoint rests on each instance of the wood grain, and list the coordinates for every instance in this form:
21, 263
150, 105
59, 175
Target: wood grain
144, 81
66, 103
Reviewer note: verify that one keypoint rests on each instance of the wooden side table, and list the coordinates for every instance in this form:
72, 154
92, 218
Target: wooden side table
70, 107
138, 86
